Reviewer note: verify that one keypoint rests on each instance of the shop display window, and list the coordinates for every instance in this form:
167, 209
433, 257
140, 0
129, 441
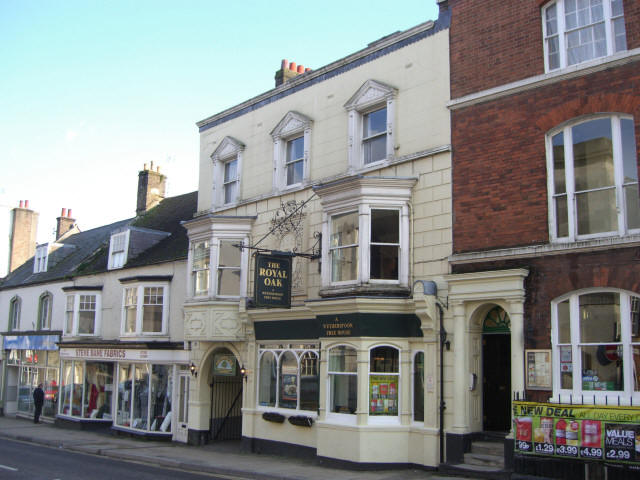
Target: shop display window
37, 367
72, 388
98, 388
383, 381
343, 380
292, 373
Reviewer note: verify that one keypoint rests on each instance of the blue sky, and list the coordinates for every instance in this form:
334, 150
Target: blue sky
92, 90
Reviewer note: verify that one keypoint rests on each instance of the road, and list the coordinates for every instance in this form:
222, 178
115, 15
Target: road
25, 461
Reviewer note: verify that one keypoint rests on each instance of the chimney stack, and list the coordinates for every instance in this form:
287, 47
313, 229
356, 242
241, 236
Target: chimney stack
288, 71
24, 228
151, 188
64, 223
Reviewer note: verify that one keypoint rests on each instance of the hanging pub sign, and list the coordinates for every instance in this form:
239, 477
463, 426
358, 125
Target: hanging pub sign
273, 281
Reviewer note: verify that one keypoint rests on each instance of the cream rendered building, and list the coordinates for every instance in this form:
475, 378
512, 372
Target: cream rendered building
350, 164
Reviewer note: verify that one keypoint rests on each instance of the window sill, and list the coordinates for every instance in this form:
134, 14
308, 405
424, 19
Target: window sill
381, 289
591, 397
145, 337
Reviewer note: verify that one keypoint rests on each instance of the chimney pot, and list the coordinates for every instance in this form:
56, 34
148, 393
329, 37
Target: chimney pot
21, 203
285, 64
144, 167
307, 69
300, 69
292, 66
158, 169
26, 204
151, 166
63, 213
69, 213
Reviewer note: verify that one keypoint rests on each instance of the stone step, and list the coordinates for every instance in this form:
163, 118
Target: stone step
484, 459
475, 471
488, 448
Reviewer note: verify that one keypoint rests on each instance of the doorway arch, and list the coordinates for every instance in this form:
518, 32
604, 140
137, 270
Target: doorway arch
225, 381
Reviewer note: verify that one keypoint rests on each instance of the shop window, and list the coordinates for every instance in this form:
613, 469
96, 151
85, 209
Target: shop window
86, 389
14, 314
291, 143
200, 269
343, 380
82, 314
36, 367
44, 311
384, 373
596, 340
144, 397
288, 378
593, 179
418, 387
145, 310
371, 124
227, 170
576, 31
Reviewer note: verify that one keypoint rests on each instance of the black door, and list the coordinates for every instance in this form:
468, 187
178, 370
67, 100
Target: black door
496, 387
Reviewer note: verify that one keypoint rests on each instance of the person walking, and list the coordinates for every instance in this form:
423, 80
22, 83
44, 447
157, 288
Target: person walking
38, 400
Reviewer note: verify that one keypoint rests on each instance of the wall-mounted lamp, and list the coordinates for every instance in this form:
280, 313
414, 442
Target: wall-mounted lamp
243, 372
193, 370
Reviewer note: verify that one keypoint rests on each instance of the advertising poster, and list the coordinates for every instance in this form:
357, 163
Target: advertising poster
383, 395
590, 432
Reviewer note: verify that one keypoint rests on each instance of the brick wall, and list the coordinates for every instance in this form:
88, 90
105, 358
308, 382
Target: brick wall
499, 158
494, 42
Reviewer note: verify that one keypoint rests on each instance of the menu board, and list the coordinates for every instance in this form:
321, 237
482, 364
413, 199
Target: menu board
590, 432
538, 369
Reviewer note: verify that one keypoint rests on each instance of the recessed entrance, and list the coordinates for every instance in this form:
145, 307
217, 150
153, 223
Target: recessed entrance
496, 371
226, 397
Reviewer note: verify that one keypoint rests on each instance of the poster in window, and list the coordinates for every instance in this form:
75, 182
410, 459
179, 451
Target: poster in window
289, 387
383, 395
538, 369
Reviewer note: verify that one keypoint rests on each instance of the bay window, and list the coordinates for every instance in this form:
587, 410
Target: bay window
343, 380
596, 341
593, 179
576, 31
288, 377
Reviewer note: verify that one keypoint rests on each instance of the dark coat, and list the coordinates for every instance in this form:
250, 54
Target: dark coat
38, 396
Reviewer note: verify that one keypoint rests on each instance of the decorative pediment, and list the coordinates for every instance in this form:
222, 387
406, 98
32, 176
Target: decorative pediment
370, 93
228, 147
292, 122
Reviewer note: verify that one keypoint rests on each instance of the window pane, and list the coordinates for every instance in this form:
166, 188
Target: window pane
562, 216
230, 192
342, 359
344, 393
294, 172
597, 211
160, 398
602, 367
418, 387
344, 264
295, 149
552, 20
67, 387
86, 322
152, 309
97, 392
267, 383
374, 123
566, 368
384, 262
125, 395
593, 154
374, 149
229, 282
130, 309
632, 206
141, 397
635, 319
385, 226
230, 171
309, 381
78, 382
559, 181
564, 322
616, 7
620, 35
344, 229
384, 360
288, 381
230, 256
600, 318
629, 152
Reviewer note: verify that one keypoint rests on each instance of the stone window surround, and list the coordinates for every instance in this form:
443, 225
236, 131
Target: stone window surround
292, 125
228, 149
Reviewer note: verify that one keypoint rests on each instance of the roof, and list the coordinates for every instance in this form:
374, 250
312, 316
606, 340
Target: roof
86, 253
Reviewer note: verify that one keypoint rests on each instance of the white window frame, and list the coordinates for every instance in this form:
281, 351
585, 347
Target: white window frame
343, 418
118, 249
194, 271
214, 229
384, 419
15, 307
561, 33
228, 150
278, 354
576, 394
44, 314
619, 184
41, 258
97, 321
140, 290
363, 194
370, 97
292, 126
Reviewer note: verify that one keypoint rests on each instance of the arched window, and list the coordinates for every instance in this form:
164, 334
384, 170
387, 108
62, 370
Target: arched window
14, 314
596, 341
343, 380
44, 311
384, 373
268, 380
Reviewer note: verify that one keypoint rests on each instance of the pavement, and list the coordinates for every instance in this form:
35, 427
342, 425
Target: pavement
222, 458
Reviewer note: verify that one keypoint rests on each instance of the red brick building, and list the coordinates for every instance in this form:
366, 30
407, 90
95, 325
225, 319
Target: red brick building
545, 104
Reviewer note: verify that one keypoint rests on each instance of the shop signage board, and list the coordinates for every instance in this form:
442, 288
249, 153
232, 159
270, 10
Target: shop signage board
273, 281
588, 432
31, 342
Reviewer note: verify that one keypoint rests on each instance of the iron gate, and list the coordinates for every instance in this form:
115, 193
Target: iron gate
226, 408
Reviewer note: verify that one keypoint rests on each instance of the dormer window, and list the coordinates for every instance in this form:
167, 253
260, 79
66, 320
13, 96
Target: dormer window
227, 170
41, 258
291, 144
118, 247
371, 124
